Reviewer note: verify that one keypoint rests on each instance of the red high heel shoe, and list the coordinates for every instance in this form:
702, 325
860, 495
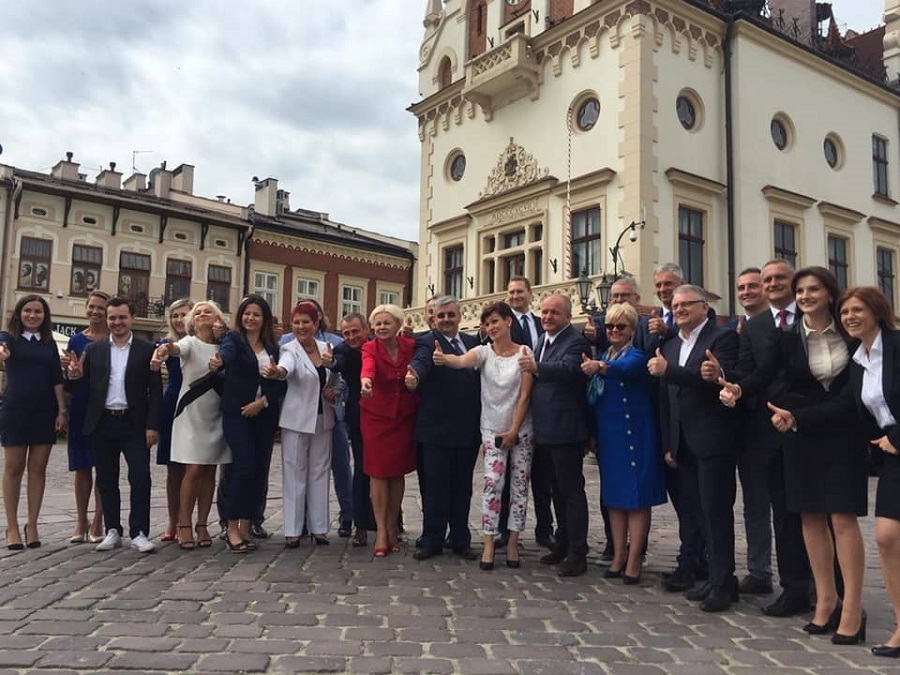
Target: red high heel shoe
380, 552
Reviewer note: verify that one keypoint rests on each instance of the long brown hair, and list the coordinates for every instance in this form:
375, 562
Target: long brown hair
14, 325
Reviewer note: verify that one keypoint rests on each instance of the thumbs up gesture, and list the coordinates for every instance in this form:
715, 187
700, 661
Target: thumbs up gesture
76, 366
411, 380
590, 330
215, 362
730, 393
327, 356
782, 419
271, 371
657, 365
587, 365
438, 356
527, 363
710, 370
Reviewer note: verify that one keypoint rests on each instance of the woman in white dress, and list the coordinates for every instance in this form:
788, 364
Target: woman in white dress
506, 429
307, 418
197, 440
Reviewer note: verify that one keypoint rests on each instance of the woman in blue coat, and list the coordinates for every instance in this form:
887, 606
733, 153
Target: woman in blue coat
632, 477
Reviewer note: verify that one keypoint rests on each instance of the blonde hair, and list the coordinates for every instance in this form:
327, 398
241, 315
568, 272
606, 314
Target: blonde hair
183, 302
623, 310
393, 310
212, 304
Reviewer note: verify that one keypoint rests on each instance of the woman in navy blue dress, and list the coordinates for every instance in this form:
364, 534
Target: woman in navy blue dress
81, 456
632, 475
174, 471
34, 411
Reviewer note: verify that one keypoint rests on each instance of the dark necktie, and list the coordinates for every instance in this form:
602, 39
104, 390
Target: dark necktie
670, 322
526, 327
782, 318
457, 349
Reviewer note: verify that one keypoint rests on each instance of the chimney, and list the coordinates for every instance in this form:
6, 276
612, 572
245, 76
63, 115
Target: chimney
892, 39
183, 179
264, 201
282, 202
136, 183
160, 182
66, 169
110, 178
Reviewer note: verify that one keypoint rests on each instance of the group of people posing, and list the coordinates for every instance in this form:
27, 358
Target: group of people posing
796, 396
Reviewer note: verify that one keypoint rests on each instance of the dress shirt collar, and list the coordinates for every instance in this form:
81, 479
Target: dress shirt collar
112, 342
831, 328
692, 336
791, 310
28, 335
874, 355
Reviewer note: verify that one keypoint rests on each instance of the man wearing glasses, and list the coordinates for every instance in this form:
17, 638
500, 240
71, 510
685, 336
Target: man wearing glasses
698, 443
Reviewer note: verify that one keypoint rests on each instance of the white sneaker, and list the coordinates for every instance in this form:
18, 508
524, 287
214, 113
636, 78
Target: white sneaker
112, 540
142, 544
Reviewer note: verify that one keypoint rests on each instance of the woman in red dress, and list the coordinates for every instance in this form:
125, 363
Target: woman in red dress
387, 417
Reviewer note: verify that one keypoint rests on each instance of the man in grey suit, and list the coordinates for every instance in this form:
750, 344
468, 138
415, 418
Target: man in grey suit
560, 412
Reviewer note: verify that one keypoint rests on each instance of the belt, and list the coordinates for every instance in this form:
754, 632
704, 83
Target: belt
116, 412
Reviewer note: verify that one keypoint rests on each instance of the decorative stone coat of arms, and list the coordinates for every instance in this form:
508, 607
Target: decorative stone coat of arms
515, 167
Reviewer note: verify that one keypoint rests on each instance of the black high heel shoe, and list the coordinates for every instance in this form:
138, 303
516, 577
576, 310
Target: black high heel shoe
30, 544
487, 565
860, 636
319, 539
830, 626
612, 574
886, 650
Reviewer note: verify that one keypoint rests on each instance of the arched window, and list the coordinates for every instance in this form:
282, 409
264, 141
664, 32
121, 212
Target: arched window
444, 76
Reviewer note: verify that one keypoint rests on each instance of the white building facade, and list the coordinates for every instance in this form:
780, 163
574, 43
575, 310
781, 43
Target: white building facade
548, 127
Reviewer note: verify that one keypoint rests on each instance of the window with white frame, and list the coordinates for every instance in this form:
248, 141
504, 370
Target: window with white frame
389, 298
307, 288
884, 258
351, 299
265, 284
838, 261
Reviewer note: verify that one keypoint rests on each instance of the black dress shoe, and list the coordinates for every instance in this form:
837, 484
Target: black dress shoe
548, 541
612, 574
465, 553
553, 558
346, 529
500, 540
788, 603
751, 585
829, 626
258, 532
682, 579
718, 600
886, 650
420, 541
631, 581
697, 594
856, 638
572, 567
425, 553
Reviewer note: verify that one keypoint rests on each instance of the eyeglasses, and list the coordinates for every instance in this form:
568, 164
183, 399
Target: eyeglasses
687, 304
446, 315
617, 326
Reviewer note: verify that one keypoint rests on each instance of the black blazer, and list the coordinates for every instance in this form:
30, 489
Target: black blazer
558, 398
143, 388
517, 333
348, 362
690, 406
449, 411
850, 400
242, 378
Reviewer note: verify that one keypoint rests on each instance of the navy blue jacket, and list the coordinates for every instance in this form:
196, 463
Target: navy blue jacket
242, 378
558, 400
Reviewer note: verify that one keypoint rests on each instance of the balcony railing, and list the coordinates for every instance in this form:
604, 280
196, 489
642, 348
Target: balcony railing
503, 74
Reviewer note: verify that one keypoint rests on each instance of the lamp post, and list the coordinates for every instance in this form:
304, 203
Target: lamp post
583, 284
607, 280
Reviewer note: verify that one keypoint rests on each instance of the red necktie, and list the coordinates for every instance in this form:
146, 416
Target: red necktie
782, 318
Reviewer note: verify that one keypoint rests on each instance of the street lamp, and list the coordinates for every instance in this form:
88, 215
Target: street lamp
583, 284
603, 290
615, 250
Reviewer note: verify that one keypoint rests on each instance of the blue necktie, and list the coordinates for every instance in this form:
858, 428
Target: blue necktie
669, 320
456, 346
526, 327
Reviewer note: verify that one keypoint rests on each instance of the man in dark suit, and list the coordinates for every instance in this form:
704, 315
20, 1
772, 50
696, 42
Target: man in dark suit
698, 442
448, 427
666, 278
348, 362
122, 419
560, 413
767, 444
527, 330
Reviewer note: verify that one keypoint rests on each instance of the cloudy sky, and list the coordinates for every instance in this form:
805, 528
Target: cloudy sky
311, 92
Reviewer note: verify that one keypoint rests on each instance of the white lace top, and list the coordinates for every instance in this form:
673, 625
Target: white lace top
500, 378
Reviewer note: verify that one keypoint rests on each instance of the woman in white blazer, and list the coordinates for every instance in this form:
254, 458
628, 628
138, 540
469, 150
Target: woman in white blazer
307, 418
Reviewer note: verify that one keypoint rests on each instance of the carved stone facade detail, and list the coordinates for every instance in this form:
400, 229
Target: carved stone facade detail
322, 248
514, 168
515, 211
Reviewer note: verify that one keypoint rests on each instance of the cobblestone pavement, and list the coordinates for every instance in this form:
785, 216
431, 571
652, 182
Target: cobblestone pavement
66, 608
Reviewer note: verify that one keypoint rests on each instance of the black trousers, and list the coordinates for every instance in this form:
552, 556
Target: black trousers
448, 473
794, 573
243, 485
569, 499
363, 517
115, 436
541, 494
706, 490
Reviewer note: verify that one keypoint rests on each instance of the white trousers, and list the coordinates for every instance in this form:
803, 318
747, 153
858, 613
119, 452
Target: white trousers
306, 478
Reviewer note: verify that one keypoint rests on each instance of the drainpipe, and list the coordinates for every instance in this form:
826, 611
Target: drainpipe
729, 164
13, 192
